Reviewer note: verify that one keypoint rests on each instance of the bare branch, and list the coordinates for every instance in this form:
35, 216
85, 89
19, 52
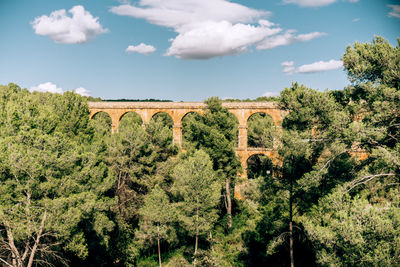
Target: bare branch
30, 262
11, 243
6, 262
367, 178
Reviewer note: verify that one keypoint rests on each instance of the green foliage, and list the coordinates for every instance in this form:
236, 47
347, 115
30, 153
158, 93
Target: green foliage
349, 231
259, 165
138, 157
157, 214
376, 62
129, 118
261, 131
164, 119
197, 186
375, 71
189, 127
231, 249
72, 193
216, 133
101, 124
52, 180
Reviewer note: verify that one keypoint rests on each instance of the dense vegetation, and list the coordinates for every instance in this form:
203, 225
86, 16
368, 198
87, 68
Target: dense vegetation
72, 193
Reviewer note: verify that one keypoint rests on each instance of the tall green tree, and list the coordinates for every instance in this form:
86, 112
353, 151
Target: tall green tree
351, 231
156, 218
358, 222
311, 142
136, 155
377, 62
216, 133
374, 100
52, 181
197, 186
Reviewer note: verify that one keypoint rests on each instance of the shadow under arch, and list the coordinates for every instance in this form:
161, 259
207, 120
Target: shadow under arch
258, 165
160, 129
188, 121
261, 130
102, 122
129, 119
164, 118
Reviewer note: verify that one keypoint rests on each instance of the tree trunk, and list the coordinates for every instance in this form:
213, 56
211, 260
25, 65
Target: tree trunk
291, 224
229, 201
197, 240
211, 241
197, 231
158, 244
291, 244
159, 252
39, 235
16, 258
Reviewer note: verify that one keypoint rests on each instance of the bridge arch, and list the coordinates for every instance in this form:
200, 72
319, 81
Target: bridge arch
184, 123
102, 121
128, 118
258, 165
94, 114
131, 113
190, 113
273, 113
165, 117
261, 130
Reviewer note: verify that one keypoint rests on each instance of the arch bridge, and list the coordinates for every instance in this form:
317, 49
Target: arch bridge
178, 110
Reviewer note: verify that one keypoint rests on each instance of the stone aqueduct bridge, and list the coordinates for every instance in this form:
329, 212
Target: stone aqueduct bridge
178, 110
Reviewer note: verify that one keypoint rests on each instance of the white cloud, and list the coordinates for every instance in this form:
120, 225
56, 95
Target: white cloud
395, 12
269, 94
207, 28
320, 66
178, 14
47, 87
212, 39
355, 20
313, 3
141, 49
288, 67
80, 28
82, 91
309, 3
52, 88
287, 38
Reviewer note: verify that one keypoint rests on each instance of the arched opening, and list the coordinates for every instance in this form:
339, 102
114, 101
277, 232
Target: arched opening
101, 122
189, 122
259, 165
160, 129
163, 118
261, 131
129, 120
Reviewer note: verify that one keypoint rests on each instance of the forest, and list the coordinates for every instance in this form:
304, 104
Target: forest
73, 194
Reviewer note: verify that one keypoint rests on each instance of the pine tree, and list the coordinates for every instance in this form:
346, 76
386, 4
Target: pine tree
156, 217
197, 186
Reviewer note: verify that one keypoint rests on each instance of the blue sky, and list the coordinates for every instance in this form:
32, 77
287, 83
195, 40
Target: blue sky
185, 50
